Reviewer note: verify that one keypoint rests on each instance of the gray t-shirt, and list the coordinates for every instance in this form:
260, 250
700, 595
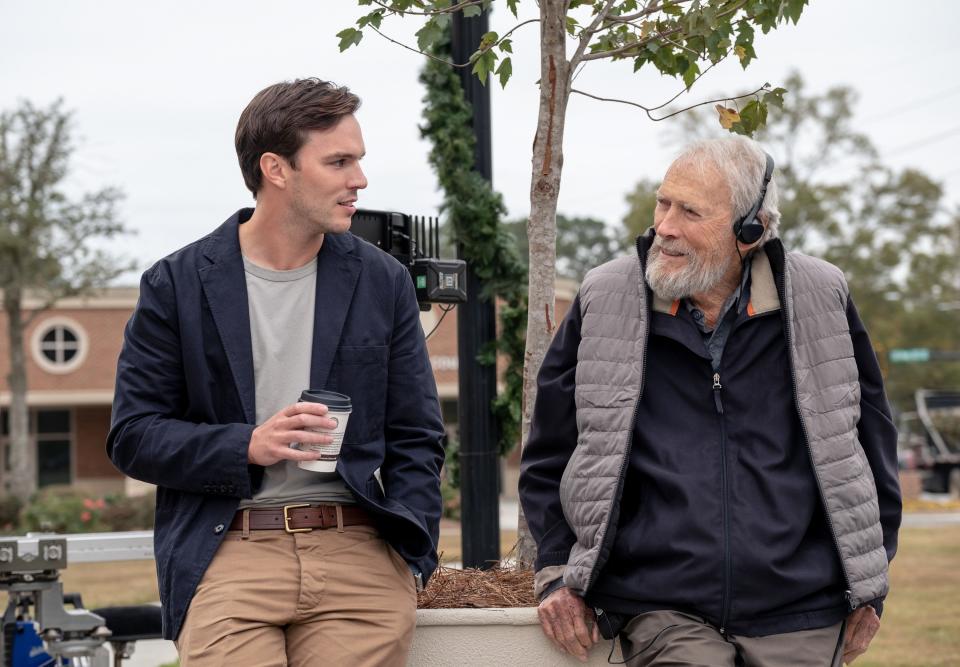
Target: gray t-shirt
281, 332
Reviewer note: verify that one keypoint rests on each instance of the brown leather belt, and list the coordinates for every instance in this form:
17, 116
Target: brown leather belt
302, 518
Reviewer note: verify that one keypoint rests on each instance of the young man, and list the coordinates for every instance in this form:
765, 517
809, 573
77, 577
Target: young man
261, 562
711, 460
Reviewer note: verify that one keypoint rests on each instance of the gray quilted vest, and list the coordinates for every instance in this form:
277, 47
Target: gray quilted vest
609, 380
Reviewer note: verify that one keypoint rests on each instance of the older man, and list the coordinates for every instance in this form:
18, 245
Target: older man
712, 464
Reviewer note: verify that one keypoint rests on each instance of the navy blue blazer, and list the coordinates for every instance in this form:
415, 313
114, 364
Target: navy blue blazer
183, 410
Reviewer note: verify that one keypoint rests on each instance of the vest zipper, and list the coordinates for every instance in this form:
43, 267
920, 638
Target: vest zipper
788, 333
725, 507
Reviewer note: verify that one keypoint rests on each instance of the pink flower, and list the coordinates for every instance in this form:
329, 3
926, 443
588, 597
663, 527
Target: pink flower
100, 504
85, 516
88, 503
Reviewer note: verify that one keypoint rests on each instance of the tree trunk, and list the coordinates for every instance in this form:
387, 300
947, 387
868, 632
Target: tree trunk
541, 227
21, 480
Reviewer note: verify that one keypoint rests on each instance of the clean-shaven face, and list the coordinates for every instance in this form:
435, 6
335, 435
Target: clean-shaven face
693, 250
327, 177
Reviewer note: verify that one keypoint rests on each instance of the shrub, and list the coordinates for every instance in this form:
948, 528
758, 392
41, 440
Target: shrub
128, 512
10, 507
61, 509
450, 479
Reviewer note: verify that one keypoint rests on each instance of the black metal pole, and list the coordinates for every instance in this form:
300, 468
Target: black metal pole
476, 326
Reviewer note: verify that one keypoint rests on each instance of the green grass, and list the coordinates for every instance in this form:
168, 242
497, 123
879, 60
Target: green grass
921, 625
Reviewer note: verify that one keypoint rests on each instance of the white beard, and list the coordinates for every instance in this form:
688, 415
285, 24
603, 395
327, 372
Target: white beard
697, 277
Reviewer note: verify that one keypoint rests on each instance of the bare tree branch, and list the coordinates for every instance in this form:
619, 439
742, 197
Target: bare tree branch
648, 110
686, 89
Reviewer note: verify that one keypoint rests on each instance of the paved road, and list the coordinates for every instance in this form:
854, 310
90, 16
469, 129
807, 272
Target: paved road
930, 519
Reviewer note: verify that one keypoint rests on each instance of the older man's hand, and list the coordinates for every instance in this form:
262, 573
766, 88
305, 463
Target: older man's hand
568, 621
862, 625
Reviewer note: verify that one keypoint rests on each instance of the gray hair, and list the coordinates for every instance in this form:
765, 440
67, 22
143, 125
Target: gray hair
742, 162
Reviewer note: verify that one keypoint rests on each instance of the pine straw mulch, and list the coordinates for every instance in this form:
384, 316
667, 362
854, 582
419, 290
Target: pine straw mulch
500, 586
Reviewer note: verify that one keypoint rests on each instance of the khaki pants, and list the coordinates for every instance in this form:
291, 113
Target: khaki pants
320, 598
669, 638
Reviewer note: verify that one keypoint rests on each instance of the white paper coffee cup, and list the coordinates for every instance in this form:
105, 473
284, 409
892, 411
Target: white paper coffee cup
339, 408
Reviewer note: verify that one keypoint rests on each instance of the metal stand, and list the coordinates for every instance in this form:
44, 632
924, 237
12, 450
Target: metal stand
30, 573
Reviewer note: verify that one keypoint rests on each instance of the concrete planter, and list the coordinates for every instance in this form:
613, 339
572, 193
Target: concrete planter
490, 638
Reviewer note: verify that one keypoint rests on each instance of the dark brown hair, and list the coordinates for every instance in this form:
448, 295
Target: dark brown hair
278, 118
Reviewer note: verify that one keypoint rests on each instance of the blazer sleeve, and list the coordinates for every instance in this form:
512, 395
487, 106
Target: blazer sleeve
552, 439
150, 437
413, 427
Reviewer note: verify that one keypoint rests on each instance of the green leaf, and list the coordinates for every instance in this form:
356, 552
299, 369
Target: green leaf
671, 9
374, 18
794, 9
572, 25
752, 117
690, 74
504, 71
429, 34
349, 37
483, 65
507, 46
488, 39
775, 97
512, 6
471, 10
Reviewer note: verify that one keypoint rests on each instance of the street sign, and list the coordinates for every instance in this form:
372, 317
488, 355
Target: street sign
909, 355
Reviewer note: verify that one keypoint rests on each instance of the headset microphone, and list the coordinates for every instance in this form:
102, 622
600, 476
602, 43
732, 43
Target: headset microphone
749, 229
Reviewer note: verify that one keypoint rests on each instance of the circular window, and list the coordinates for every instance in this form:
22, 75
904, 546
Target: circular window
59, 345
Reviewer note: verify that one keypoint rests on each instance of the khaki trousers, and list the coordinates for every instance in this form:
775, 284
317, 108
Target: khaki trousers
669, 638
319, 598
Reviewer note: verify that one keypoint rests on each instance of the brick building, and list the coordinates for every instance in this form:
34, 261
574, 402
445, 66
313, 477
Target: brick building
71, 354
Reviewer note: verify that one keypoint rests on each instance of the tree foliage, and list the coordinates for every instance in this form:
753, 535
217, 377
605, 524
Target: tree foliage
582, 243
641, 202
887, 229
678, 38
47, 246
472, 212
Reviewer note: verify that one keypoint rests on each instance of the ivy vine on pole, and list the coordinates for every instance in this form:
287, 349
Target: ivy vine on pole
474, 212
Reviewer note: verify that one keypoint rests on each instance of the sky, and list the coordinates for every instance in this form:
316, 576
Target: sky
157, 88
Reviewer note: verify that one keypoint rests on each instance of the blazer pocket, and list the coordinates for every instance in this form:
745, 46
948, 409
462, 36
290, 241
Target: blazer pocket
360, 372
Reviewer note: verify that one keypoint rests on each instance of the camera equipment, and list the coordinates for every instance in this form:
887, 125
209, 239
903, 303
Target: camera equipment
36, 625
415, 242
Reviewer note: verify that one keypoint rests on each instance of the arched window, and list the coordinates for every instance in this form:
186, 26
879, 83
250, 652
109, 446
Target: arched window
59, 345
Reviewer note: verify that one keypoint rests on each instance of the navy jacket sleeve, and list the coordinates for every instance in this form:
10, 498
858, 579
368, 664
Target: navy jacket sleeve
877, 433
413, 427
552, 439
151, 437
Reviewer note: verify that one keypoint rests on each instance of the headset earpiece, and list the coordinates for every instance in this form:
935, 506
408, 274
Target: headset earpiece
749, 229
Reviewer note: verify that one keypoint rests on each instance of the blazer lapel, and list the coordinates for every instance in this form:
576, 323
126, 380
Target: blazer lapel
338, 270
225, 287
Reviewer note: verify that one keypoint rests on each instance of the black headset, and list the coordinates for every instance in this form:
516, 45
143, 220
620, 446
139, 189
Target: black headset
749, 229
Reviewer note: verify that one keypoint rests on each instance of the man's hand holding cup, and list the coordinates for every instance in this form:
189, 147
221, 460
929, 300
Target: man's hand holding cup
317, 423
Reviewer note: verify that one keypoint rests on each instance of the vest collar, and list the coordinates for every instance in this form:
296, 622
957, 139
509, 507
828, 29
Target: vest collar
763, 290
